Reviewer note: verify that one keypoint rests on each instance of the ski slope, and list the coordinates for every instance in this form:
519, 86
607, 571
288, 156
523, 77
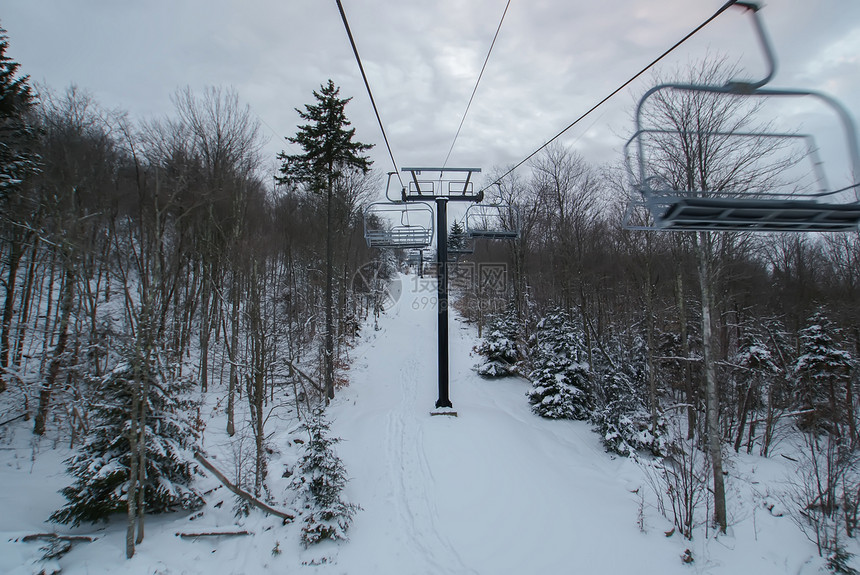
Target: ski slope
495, 490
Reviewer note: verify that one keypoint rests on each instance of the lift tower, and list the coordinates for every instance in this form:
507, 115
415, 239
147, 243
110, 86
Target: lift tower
441, 185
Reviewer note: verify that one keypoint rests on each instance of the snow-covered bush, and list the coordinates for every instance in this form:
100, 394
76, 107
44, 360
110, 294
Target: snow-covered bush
499, 348
101, 465
560, 375
320, 481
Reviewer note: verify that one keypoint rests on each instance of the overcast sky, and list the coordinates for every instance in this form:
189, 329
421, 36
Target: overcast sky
552, 61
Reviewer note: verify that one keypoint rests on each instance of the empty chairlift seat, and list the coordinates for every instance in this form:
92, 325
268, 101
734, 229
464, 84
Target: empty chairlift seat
492, 221
398, 226
738, 174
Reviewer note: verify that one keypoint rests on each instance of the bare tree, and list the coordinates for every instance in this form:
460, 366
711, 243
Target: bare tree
226, 139
697, 151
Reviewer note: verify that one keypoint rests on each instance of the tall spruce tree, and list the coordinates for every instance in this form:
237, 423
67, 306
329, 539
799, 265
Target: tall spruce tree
329, 153
18, 158
456, 238
18, 161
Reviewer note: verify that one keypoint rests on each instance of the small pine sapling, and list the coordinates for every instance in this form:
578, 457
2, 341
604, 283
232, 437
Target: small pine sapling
320, 481
499, 348
101, 465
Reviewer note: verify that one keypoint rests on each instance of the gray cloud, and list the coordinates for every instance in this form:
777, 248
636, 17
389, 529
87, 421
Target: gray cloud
553, 60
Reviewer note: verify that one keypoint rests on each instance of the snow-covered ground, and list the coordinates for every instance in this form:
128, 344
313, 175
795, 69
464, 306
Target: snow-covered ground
494, 490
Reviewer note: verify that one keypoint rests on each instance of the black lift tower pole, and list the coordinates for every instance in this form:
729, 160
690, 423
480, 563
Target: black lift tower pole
442, 297
456, 186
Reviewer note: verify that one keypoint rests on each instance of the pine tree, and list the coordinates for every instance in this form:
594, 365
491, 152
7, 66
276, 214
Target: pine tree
101, 465
17, 137
560, 377
624, 422
456, 238
18, 161
320, 482
329, 152
823, 372
759, 370
621, 415
499, 347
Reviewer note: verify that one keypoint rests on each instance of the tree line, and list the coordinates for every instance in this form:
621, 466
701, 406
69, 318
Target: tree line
717, 341
143, 260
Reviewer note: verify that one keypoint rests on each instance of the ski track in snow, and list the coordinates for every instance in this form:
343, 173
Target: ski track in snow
408, 461
396, 365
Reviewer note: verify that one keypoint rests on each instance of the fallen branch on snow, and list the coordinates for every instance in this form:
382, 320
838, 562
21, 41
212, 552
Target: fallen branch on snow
240, 492
53, 536
213, 534
22, 416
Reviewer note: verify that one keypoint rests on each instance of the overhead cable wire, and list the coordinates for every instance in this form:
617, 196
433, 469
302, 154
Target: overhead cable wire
722, 9
480, 75
367, 85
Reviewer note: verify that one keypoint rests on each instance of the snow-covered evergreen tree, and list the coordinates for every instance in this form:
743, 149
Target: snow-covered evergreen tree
320, 482
18, 159
624, 421
499, 347
823, 371
101, 465
755, 380
621, 414
560, 375
456, 238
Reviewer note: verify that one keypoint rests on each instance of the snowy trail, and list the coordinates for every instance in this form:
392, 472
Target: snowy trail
495, 490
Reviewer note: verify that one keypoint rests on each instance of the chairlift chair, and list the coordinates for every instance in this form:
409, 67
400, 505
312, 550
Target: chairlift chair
492, 221
803, 204
398, 226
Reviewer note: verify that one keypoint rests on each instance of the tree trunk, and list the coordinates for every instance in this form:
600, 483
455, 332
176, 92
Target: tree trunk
685, 350
141, 443
59, 350
256, 377
205, 327
132, 472
652, 374
743, 408
329, 304
25, 310
849, 411
15, 253
703, 253
234, 346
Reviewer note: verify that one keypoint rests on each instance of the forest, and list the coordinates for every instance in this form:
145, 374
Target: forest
148, 263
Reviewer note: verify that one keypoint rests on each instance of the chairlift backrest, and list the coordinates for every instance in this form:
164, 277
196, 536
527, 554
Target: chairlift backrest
453, 184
